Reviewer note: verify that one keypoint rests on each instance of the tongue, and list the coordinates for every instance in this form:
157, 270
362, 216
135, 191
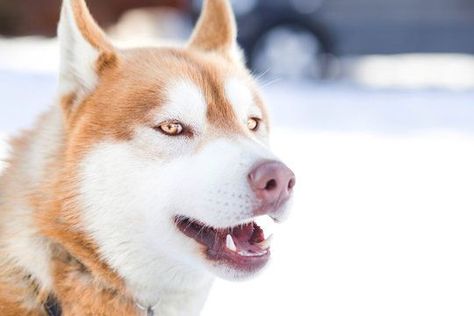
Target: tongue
246, 237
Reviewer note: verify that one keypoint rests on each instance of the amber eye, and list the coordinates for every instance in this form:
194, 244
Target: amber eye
171, 128
253, 124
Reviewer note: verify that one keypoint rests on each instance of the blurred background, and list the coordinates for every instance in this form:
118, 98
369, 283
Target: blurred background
372, 102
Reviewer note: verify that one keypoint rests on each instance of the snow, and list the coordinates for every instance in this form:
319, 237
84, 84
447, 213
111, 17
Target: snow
383, 216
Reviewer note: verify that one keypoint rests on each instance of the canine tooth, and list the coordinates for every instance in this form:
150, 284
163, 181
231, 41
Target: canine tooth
230, 243
266, 243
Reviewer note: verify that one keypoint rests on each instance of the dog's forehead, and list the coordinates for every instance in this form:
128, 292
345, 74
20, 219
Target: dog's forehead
191, 83
207, 89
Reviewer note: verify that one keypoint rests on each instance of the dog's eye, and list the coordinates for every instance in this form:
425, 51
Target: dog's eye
253, 124
171, 128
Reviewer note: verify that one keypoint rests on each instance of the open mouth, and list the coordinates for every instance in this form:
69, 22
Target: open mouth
242, 247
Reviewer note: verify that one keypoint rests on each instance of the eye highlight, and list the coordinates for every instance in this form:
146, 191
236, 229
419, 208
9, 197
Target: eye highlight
171, 128
253, 124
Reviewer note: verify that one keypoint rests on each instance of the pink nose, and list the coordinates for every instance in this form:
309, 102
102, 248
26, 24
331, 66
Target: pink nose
273, 184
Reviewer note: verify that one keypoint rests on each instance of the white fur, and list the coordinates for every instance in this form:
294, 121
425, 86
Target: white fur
78, 56
185, 102
240, 96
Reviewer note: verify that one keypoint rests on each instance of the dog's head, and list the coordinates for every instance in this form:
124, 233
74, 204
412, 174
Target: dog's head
169, 150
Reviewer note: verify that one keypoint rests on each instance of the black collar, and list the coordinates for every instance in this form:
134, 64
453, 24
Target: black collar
52, 306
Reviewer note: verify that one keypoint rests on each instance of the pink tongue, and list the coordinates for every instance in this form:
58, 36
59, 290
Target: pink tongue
243, 234
247, 236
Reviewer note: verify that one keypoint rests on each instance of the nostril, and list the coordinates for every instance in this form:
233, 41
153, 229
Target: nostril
291, 184
271, 185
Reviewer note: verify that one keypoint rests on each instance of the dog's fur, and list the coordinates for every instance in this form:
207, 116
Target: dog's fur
88, 197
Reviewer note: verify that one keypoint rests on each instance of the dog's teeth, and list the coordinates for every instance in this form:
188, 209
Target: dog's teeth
252, 254
266, 243
230, 243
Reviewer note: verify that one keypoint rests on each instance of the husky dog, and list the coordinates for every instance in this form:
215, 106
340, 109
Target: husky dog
143, 182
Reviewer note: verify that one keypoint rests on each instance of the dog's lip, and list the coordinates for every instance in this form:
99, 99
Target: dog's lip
243, 247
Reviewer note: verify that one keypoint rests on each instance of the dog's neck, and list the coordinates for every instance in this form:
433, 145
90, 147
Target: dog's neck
168, 301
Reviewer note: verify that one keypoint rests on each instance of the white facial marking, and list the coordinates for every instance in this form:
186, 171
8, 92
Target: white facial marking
124, 196
185, 102
130, 199
240, 96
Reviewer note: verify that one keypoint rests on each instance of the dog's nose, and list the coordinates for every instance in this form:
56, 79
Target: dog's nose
273, 183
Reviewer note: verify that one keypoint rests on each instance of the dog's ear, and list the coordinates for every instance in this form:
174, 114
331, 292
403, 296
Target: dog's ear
216, 30
85, 50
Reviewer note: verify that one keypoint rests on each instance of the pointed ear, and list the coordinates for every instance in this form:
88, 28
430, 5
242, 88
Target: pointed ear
85, 50
216, 30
